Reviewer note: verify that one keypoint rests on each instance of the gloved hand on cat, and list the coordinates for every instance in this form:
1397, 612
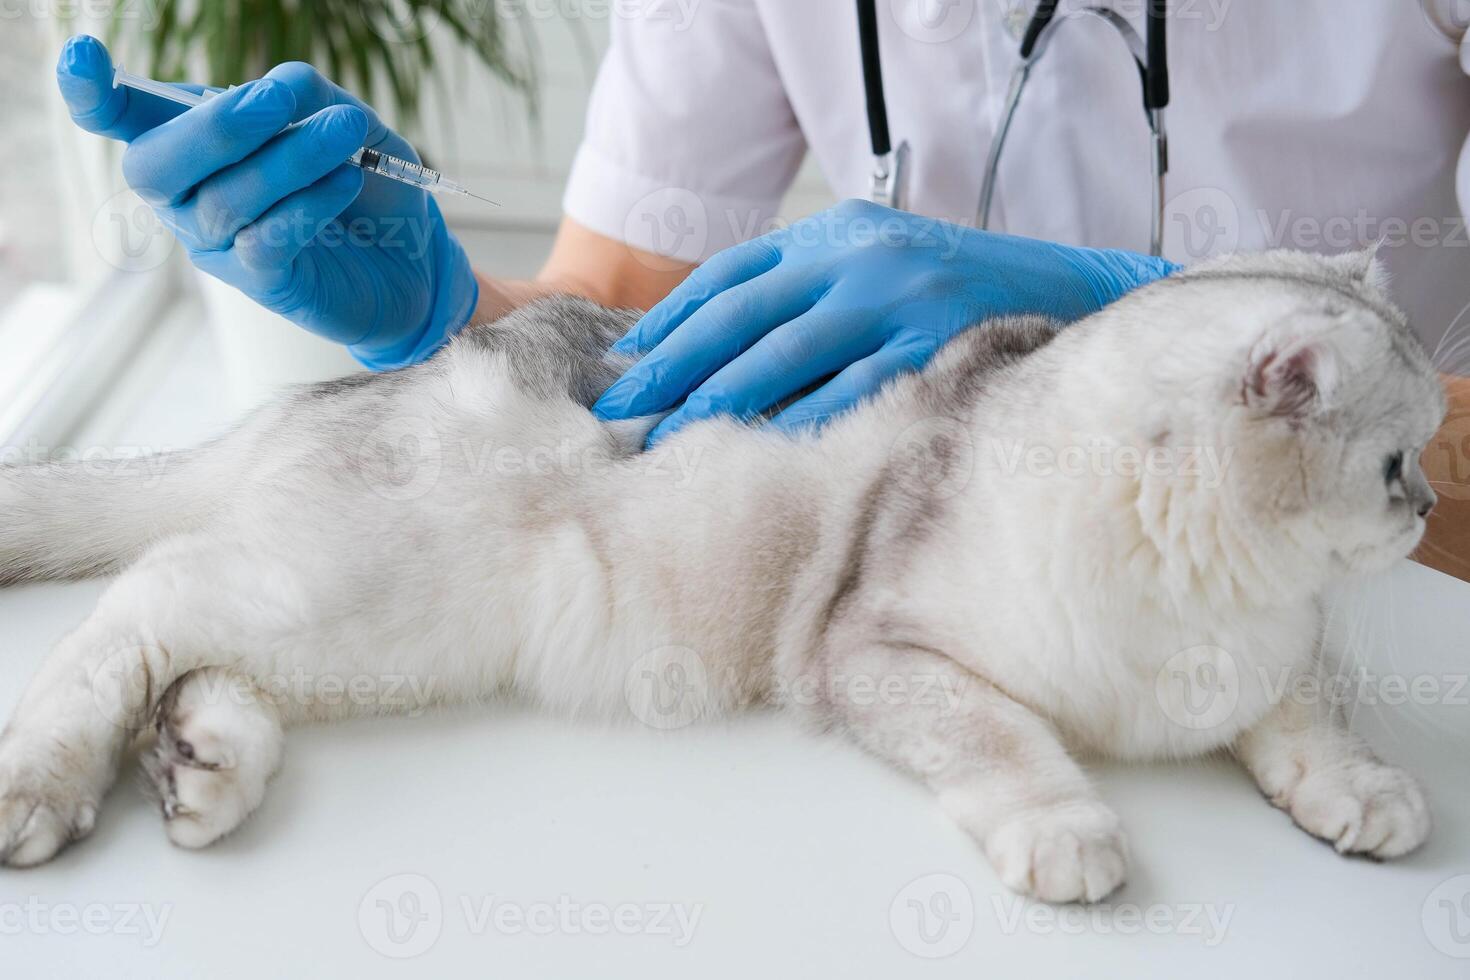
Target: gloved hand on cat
861, 292
276, 213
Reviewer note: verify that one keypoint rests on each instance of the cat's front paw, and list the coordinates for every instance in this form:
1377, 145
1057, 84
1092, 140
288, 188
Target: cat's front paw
1361, 807
44, 804
1072, 853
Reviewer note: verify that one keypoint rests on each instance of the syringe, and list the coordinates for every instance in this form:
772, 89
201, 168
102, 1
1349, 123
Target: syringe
369, 159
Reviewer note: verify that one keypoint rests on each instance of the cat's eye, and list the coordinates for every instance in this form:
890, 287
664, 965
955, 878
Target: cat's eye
1394, 468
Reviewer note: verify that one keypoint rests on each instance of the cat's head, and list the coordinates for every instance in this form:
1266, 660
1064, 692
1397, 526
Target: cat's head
1322, 398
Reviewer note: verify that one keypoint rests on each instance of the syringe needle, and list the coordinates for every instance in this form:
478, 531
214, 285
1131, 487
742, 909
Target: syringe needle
485, 199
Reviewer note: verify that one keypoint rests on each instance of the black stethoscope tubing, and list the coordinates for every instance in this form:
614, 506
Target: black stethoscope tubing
1153, 69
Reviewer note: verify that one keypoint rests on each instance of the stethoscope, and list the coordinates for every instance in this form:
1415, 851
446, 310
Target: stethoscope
1150, 53
1449, 17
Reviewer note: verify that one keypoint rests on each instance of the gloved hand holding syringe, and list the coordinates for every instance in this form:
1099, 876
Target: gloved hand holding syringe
369, 159
254, 183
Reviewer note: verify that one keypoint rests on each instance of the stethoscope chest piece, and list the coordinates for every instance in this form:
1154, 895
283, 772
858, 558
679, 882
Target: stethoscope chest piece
890, 178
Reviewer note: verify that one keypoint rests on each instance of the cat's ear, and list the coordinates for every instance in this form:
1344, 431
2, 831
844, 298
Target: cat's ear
1291, 376
1362, 266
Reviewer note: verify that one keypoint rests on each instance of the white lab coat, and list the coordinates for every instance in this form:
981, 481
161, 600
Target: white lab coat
1316, 124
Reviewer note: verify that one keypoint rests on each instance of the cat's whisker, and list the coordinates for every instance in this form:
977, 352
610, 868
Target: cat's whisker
1459, 325
1454, 361
1456, 354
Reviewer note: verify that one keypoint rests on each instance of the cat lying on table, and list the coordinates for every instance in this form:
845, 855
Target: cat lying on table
1060, 529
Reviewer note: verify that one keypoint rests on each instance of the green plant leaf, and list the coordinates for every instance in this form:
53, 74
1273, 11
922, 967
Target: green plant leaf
362, 44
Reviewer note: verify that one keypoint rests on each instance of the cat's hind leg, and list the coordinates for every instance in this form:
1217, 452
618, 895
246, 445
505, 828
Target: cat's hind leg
219, 741
999, 770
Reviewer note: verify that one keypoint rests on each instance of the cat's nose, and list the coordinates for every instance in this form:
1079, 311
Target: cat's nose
1425, 506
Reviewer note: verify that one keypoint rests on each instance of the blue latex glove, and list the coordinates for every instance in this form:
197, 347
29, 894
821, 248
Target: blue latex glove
861, 292
274, 211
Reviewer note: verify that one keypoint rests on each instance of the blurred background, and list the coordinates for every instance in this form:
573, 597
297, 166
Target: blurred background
108, 338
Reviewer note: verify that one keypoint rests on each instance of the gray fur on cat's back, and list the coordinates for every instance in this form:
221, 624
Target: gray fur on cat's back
558, 345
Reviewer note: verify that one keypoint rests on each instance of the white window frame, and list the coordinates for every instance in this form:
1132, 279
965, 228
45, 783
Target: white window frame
123, 276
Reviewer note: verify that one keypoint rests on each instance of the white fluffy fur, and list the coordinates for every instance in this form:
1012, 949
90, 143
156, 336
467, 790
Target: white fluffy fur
466, 527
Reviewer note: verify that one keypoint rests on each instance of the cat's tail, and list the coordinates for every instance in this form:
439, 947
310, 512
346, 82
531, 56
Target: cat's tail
89, 517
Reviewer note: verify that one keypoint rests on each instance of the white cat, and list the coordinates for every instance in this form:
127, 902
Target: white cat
1109, 538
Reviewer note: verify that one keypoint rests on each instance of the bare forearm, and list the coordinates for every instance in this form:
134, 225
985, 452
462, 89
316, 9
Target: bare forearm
499, 296
1446, 544
585, 263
